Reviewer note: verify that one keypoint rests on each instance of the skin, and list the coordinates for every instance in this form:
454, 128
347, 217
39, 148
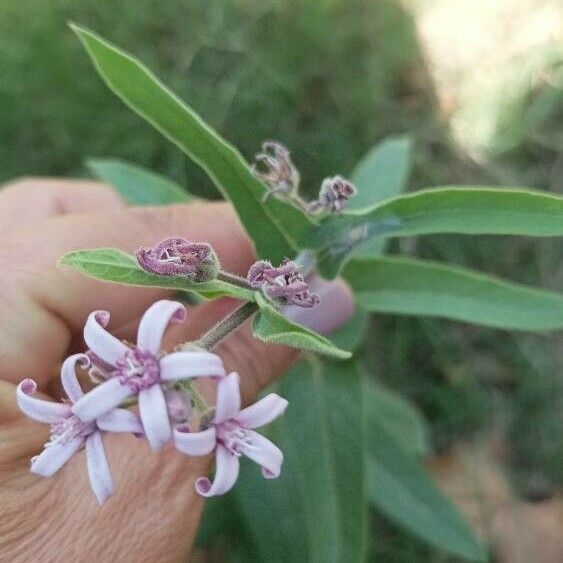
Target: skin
154, 512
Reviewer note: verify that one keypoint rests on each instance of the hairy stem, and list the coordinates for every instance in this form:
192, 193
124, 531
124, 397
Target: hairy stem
233, 279
224, 327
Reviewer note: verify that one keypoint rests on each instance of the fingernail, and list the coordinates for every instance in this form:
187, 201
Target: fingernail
334, 310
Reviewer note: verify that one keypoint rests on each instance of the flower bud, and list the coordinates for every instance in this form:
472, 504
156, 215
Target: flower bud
284, 283
275, 168
333, 195
176, 256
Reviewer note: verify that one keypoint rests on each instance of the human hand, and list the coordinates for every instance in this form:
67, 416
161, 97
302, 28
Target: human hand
155, 511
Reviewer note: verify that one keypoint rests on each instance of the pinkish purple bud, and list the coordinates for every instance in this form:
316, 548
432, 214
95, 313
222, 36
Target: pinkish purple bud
284, 283
176, 256
333, 195
178, 405
276, 169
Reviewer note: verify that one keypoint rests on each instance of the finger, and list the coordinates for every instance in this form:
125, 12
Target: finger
43, 305
25, 202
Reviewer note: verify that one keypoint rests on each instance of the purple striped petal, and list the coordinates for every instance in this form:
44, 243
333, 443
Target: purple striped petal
183, 365
98, 468
68, 376
154, 415
154, 323
120, 420
228, 398
100, 400
55, 455
263, 411
264, 453
226, 474
100, 341
194, 443
38, 409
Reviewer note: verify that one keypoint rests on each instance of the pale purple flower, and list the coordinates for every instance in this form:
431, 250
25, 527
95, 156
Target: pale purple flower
284, 283
69, 433
333, 195
141, 370
276, 169
177, 256
231, 435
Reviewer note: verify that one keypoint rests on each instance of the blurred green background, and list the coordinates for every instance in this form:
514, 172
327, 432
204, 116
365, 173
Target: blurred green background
329, 78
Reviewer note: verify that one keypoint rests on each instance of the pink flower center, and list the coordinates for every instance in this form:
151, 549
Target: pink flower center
234, 437
138, 370
66, 429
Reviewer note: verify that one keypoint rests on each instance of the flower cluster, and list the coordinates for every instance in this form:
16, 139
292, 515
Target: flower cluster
333, 195
156, 381
275, 168
176, 256
284, 283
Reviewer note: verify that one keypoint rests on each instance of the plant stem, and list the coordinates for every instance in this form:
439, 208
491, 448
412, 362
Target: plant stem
224, 327
233, 279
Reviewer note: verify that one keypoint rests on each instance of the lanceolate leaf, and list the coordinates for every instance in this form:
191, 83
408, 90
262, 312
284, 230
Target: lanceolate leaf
137, 185
272, 327
316, 510
276, 228
469, 211
418, 287
113, 265
385, 408
382, 173
399, 486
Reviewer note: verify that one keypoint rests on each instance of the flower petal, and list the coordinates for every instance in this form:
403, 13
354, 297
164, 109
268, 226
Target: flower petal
194, 443
98, 468
228, 398
183, 365
263, 411
100, 400
226, 474
38, 409
54, 456
120, 420
68, 376
264, 453
100, 341
154, 323
154, 415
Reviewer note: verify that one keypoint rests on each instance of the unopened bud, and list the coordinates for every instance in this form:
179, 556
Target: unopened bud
284, 283
333, 195
276, 169
179, 257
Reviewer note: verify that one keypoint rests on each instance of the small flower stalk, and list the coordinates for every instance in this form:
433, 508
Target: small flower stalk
176, 256
283, 284
275, 168
333, 196
169, 405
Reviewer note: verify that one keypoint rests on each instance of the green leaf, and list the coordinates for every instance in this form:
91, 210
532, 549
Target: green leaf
419, 287
382, 173
469, 211
137, 185
270, 326
276, 228
387, 169
351, 335
316, 511
387, 409
113, 265
400, 487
